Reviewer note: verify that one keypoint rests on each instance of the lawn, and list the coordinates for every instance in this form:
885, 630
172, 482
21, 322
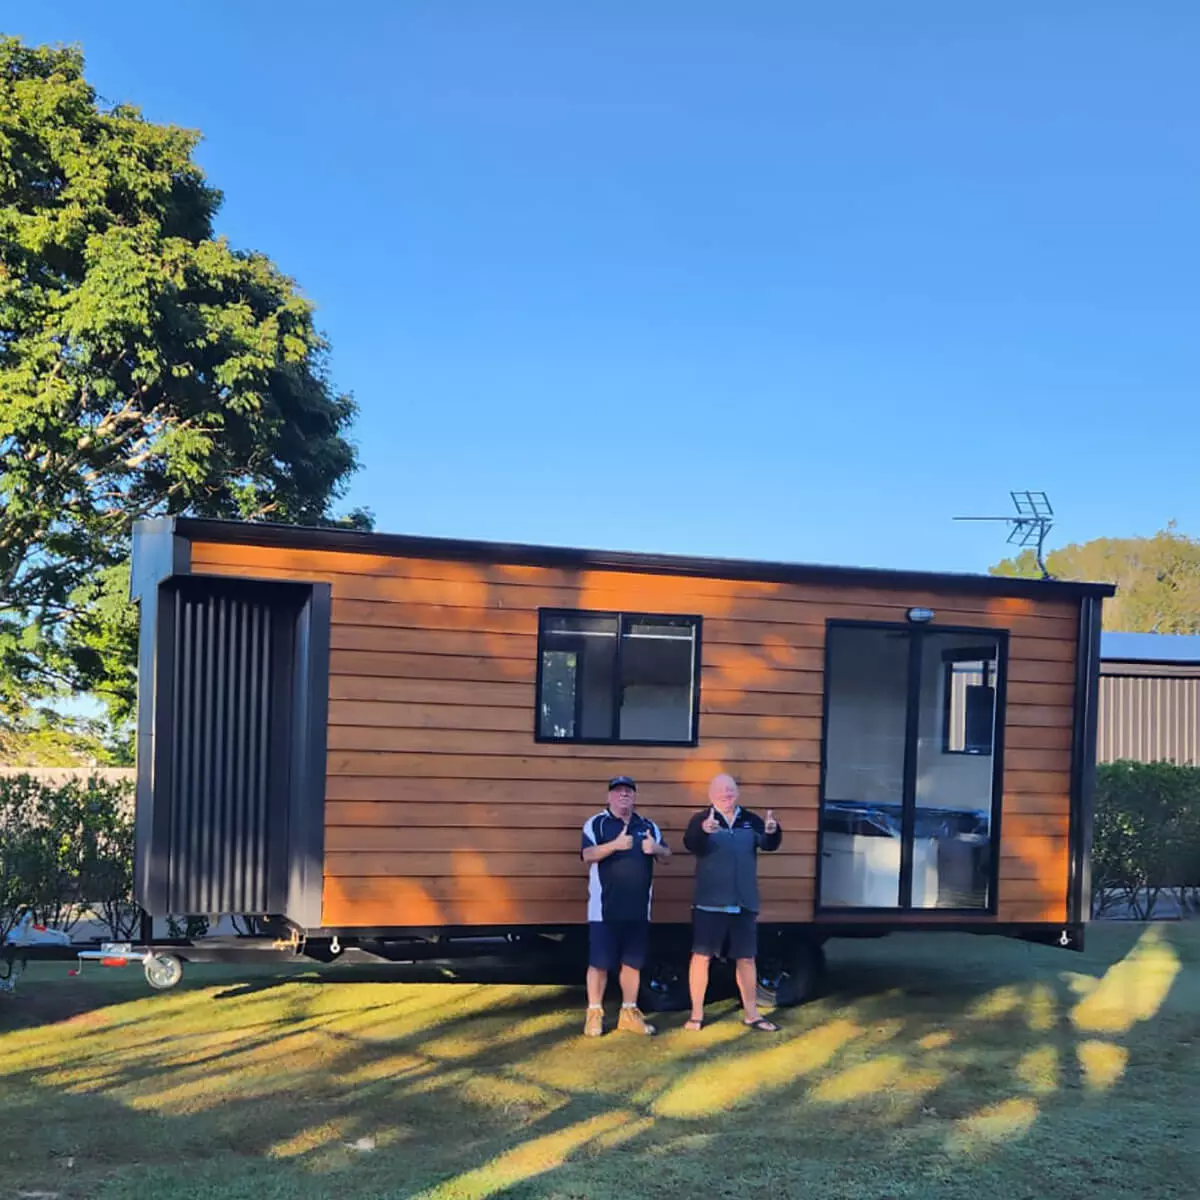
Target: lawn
949, 1067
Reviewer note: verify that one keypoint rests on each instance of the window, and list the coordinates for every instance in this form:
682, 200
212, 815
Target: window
617, 677
911, 773
969, 682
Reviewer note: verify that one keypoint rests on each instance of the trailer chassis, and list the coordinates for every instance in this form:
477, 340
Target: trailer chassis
791, 958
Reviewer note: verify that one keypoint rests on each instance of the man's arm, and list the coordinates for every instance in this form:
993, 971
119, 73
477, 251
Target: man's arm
658, 844
768, 841
595, 854
695, 837
591, 852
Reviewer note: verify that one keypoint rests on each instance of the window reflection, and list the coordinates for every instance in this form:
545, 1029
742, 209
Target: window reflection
955, 766
867, 697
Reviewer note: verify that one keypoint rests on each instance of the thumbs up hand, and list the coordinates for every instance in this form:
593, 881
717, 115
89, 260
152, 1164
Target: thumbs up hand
624, 840
770, 825
648, 843
710, 823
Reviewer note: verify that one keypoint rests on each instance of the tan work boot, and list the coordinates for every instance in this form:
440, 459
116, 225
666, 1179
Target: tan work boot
632, 1021
593, 1025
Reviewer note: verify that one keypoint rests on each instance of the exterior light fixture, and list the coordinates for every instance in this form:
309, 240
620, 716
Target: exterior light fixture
920, 615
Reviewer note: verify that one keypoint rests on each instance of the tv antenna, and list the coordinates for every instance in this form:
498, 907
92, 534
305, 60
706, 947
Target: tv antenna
1031, 524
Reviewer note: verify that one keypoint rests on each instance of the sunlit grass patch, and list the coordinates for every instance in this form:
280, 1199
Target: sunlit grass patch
993, 1125
1038, 1069
1103, 1063
711, 1089
996, 1003
864, 1081
1041, 1008
533, 1157
1132, 989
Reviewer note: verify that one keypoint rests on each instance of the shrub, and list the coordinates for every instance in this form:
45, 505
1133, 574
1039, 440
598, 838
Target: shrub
1146, 836
65, 849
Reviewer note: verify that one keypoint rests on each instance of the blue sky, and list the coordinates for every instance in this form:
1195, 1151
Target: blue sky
775, 280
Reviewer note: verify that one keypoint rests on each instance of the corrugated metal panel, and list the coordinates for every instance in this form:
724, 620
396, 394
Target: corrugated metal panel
1149, 719
227, 796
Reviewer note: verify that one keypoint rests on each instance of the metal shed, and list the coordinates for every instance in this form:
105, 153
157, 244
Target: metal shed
1149, 703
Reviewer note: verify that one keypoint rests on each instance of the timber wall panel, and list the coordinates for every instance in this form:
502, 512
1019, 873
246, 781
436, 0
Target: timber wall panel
430, 743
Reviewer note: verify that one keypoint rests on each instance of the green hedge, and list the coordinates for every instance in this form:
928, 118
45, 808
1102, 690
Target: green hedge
66, 849
1146, 839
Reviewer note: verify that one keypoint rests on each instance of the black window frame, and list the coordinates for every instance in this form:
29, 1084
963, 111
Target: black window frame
918, 633
622, 617
988, 655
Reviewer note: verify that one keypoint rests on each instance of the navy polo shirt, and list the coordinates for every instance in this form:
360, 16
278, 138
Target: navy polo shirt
621, 887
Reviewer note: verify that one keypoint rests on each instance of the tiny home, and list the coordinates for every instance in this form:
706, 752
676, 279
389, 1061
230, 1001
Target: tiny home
387, 739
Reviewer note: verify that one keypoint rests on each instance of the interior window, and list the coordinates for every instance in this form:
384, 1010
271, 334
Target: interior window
969, 688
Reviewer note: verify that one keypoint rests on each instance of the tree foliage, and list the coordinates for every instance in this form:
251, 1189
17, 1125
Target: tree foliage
1157, 578
40, 737
146, 367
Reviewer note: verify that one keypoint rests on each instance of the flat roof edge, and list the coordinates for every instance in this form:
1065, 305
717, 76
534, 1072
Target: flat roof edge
309, 537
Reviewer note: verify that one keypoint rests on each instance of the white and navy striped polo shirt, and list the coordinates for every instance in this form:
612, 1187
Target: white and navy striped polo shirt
621, 887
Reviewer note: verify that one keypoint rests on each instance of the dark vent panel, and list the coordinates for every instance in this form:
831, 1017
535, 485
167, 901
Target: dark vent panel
229, 740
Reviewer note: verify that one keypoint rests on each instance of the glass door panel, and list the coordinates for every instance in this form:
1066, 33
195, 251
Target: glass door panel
862, 808
955, 775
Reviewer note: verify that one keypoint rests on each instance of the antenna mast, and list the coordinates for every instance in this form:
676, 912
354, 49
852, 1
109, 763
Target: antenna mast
1031, 524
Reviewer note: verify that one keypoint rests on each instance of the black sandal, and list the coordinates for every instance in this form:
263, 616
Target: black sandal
762, 1025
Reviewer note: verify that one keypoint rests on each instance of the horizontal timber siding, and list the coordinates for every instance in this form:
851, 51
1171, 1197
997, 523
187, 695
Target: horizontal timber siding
430, 734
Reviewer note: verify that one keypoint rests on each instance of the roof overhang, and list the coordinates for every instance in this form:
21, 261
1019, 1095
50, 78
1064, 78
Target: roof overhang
347, 541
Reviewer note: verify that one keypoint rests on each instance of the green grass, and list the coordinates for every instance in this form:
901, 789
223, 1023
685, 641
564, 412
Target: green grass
950, 1067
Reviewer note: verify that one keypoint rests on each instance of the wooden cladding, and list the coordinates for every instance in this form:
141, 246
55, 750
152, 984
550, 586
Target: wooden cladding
431, 762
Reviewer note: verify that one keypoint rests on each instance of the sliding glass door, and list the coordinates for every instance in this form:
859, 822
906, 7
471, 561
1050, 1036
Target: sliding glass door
911, 767
866, 705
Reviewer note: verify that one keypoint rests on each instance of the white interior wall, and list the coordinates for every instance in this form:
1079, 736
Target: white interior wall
947, 780
656, 712
868, 677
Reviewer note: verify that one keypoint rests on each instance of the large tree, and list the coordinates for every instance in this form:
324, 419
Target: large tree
1157, 578
146, 367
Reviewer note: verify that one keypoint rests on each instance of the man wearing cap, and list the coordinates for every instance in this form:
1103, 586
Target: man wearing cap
620, 847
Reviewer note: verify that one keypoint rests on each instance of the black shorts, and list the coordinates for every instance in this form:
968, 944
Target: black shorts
618, 943
711, 931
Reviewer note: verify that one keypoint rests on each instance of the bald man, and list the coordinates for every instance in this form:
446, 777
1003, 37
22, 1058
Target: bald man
725, 839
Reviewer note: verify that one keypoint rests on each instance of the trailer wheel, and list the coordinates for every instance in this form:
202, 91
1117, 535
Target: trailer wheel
163, 971
664, 987
784, 983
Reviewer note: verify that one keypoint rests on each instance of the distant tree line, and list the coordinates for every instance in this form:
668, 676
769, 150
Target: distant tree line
1157, 578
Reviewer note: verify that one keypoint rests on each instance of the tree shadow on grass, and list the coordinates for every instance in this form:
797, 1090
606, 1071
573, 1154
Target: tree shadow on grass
886, 1086
479, 972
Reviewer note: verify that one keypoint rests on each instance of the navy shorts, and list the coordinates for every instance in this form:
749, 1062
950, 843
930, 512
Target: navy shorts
711, 931
618, 943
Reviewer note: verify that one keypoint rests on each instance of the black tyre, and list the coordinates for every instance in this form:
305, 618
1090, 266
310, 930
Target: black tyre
664, 987
784, 982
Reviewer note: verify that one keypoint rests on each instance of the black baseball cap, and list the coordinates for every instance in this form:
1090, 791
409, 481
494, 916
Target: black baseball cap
621, 781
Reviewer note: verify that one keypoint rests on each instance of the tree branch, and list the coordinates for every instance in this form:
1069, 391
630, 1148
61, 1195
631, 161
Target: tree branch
51, 675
